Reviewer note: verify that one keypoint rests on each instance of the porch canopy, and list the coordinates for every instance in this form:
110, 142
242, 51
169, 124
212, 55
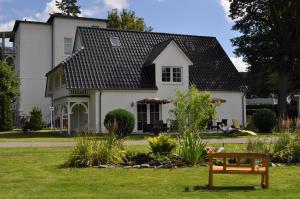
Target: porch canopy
217, 100
154, 101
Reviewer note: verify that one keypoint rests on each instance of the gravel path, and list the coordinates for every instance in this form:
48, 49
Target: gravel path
135, 142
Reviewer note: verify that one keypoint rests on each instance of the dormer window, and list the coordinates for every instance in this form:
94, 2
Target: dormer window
115, 41
171, 74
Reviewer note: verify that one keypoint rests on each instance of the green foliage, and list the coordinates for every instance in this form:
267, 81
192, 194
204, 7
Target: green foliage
287, 149
192, 110
9, 81
258, 146
282, 142
6, 117
126, 20
120, 121
163, 144
68, 7
264, 120
192, 148
36, 119
268, 41
90, 151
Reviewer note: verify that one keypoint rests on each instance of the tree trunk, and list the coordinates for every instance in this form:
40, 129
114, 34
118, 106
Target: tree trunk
282, 93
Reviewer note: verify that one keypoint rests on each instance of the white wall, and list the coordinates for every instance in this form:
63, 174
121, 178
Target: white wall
65, 27
111, 100
33, 62
232, 108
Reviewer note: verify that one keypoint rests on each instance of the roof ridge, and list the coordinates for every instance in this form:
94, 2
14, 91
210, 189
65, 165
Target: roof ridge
134, 31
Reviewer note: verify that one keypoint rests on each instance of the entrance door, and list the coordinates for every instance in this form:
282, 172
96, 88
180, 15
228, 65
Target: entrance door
141, 116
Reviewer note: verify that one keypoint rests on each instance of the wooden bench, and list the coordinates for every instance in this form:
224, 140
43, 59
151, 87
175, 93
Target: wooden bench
241, 163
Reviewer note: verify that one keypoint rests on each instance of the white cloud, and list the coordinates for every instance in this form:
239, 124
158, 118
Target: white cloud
119, 4
226, 7
39, 16
240, 65
44, 15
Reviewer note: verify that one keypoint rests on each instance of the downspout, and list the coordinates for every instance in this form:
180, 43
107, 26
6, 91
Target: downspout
243, 109
100, 115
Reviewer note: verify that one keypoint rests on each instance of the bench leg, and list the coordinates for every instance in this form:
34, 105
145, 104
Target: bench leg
210, 180
265, 181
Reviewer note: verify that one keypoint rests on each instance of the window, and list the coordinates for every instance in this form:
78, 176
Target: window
172, 74
115, 41
154, 113
176, 74
141, 116
190, 45
166, 74
68, 46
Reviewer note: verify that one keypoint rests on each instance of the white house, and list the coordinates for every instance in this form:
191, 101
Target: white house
38, 46
139, 72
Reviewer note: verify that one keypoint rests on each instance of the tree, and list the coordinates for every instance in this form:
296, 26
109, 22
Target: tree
270, 39
126, 20
6, 117
68, 7
9, 84
36, 119
193, 110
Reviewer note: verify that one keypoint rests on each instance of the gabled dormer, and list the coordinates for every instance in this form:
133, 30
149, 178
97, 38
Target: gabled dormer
171, 66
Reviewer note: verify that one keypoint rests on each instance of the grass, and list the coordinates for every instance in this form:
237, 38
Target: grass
36, 173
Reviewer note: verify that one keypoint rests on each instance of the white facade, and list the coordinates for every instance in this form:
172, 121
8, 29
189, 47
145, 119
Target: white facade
100, 102
39, 48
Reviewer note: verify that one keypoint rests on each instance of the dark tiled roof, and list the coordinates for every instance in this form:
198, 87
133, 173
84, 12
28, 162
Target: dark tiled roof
101, 66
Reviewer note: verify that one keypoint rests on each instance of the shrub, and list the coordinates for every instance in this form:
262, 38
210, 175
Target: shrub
282, 142
90, 151
264, 120
290, 153
162, 144
192, 148
6, 117
258, 146
192, 110
121, 121
36, 119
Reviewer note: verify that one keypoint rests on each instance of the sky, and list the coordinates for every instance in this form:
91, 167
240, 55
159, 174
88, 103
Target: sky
195, 17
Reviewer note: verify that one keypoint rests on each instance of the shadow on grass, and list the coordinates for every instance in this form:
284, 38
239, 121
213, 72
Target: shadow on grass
38, 134
221, 188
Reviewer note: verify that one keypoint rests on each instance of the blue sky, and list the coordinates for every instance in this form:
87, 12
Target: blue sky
197, 17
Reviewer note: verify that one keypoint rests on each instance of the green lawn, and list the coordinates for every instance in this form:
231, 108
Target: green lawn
36, 173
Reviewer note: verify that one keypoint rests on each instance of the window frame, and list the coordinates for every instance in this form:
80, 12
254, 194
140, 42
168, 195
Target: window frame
172, 75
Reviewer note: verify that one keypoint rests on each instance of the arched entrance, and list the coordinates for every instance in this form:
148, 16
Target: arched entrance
78, 116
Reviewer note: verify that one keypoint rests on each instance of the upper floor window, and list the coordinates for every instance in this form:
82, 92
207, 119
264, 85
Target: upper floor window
172, 74
68, 46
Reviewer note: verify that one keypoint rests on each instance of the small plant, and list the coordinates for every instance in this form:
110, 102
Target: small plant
36, 119
162, 144
121, 121
192, 148
282, 142
264, 120
90, 151
258, 146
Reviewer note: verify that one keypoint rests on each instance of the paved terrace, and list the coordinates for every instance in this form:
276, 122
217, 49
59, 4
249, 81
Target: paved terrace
128, 142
